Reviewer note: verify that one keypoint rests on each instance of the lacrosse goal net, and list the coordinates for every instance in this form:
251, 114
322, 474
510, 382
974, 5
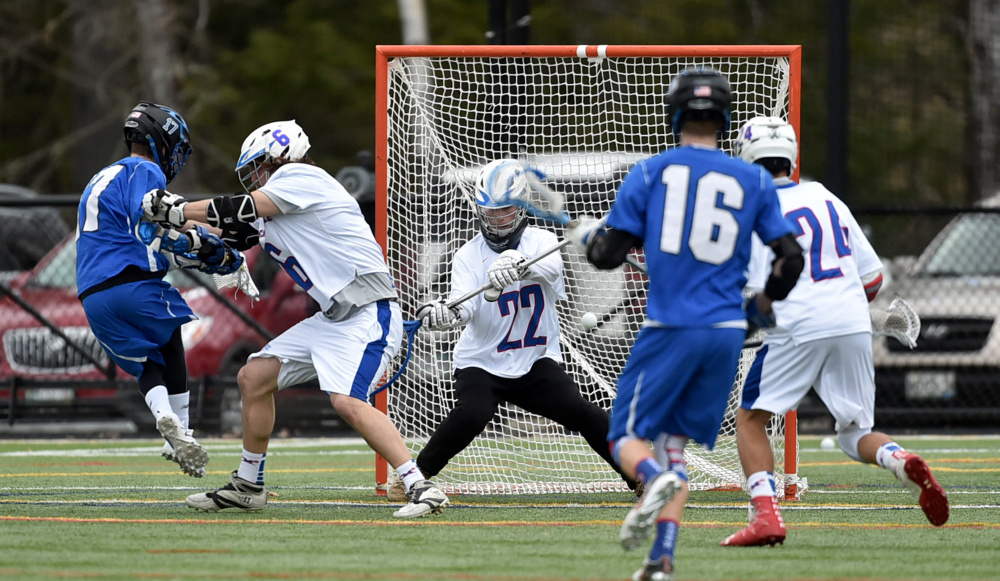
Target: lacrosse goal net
581, 115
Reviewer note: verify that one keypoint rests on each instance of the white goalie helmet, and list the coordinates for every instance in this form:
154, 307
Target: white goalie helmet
500, 221
278, 140
763, 137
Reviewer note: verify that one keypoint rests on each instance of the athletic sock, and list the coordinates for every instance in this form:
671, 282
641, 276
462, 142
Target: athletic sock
252, 467
666, 540
158, 401
675, 453
762, 484
889, 455
409, 473
648, 469
181, 404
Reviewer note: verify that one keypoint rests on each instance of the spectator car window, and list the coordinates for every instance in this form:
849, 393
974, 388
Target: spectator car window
972, 247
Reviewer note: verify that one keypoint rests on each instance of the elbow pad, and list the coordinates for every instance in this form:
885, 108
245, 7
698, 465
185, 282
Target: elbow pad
873, 283
779, 285
225, 212
609, 248
241, 237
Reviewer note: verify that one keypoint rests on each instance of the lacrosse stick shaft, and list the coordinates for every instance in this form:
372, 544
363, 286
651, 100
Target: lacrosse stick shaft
488, 286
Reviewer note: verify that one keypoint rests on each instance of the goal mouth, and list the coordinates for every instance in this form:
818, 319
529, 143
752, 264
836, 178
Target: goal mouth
582, 115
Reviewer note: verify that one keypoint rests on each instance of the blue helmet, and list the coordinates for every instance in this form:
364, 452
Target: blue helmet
501, 222
164, 131
699, 94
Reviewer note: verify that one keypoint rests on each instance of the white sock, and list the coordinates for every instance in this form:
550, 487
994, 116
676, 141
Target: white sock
181, 404
252, 467
761, 484
158, 401
410, 474
889, 455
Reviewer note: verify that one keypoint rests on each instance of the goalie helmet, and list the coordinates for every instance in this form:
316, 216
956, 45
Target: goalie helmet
501, 222
164, 131
700, 94
268, 143
767, 137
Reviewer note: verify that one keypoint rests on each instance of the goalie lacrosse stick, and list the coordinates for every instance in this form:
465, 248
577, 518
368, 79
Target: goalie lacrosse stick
411, 327
899, 321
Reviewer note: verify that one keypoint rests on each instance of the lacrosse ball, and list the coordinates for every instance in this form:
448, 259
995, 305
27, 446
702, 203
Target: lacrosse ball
827, 444
588, 321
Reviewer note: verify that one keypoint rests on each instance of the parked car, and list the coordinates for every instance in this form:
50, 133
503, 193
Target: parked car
952, 377
217, 345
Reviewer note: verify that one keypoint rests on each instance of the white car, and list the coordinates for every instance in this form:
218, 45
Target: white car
952, 377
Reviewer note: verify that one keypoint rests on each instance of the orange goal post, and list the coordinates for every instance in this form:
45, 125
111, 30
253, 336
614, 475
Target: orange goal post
582, 115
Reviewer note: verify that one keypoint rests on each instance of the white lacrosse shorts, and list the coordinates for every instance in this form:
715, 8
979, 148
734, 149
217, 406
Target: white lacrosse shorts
348, 357
840, 369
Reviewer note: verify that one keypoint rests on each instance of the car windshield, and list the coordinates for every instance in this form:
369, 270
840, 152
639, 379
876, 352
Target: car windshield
970, 248
60, 272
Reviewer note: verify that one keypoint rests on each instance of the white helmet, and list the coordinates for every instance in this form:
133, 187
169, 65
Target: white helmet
499, 181
278, 140
763, 137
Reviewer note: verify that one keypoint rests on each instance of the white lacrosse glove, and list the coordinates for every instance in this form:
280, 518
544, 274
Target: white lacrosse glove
163, 207
581, 231
506, 269
438, 317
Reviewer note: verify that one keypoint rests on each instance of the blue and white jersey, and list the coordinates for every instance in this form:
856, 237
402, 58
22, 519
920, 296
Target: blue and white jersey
507, 337
695, 209
109, 213
829, 298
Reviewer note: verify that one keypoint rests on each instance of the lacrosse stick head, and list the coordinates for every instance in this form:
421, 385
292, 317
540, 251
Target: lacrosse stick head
240, 280
501, 220
899, 320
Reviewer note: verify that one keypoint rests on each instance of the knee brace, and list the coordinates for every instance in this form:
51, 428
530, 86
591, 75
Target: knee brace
848, 439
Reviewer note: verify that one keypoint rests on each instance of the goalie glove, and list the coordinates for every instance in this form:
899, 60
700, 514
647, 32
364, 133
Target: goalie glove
581, 232
437, 316
163, 207
507, 269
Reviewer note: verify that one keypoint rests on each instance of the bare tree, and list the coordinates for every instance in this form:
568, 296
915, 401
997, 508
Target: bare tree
984, 97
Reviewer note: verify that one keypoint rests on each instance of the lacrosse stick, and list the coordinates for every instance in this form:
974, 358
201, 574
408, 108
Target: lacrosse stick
411, 327
899, 321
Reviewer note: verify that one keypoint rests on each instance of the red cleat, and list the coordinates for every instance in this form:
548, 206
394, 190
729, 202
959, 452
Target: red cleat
918, 479
766, 528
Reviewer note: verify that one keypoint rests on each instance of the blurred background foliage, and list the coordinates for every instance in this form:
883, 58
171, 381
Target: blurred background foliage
71, 70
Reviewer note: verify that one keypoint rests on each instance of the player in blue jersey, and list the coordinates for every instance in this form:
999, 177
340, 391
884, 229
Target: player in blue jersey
132, 311
692, 209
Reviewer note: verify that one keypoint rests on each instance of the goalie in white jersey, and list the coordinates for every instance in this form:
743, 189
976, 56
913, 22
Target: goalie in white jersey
822, 340
509, 349
306, 221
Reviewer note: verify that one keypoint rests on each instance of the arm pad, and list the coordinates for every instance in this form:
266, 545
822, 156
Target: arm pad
225, 212
241, 236
608, 248
780, 284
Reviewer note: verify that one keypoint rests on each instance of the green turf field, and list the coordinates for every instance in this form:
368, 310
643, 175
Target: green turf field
114, 510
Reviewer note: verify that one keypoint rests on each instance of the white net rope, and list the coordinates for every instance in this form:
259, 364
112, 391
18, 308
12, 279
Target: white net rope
583, 122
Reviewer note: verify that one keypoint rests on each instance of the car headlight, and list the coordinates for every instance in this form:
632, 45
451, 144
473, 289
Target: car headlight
193, 332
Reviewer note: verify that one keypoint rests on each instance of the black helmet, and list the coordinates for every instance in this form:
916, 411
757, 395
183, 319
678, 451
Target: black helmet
163, 130
699, 94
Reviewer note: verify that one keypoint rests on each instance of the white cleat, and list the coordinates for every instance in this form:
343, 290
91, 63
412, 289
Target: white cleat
185, 450
425, 499
639, 521
238, 493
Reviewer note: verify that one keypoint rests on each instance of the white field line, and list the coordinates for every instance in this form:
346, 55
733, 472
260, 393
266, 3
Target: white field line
740, 507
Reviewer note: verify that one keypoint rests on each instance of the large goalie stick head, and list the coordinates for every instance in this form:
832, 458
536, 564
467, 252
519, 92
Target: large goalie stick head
899, 320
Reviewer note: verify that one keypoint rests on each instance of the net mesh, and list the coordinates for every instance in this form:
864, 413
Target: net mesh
583, 123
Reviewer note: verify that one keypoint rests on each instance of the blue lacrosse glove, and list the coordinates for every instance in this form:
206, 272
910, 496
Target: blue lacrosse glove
212, 254
755, 318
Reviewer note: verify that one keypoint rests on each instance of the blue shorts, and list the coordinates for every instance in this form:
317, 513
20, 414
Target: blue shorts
677, 381
133, 320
